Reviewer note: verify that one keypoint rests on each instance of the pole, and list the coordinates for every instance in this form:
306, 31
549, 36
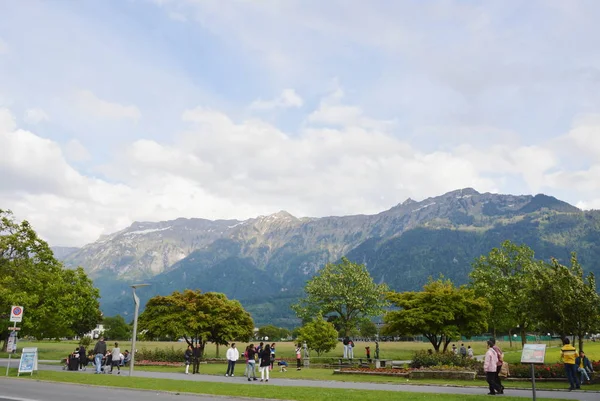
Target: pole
533, 380
136, 300
11, 351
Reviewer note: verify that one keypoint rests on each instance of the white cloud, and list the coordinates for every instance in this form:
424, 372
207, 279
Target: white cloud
93, 105
76, 152
36, 116
288, 98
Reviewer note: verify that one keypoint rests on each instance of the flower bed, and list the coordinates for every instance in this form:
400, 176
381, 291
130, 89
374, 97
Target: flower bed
373, 371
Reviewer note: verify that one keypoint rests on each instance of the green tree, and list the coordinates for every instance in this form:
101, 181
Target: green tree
367, 328
115, 328
197, 317
57, 302
345, 293
273, 333
567, 300
507, 277
319, 334
442, 312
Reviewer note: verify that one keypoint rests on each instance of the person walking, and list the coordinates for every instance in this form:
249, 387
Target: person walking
272, 357
99, 351
463, 351
469, 352
187, 356
196, 353
299, 357
83, 361
568, 353
265, 363
115, 359
489, 367
259, 351
232, 356
350, 350
345, 343
499, 363
251, 355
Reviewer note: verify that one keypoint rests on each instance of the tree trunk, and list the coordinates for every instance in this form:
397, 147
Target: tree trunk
217, 350
523, 336
580, 337
510, 337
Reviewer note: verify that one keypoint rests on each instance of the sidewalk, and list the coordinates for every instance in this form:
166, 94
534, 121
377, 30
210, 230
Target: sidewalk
560, 394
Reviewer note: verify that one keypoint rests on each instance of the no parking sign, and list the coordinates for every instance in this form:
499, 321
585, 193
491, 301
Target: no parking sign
16, 314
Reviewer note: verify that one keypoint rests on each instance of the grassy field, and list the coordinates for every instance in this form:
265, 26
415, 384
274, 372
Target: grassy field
255, 390
388, 350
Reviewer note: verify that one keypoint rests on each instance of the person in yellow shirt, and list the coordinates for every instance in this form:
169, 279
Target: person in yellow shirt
568, 354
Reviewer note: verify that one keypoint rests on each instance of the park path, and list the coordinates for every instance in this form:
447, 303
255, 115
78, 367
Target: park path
431, 389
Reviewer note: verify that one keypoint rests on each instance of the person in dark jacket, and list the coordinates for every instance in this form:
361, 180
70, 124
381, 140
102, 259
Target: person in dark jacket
83, 361
99, 352
251, 356
265, 362
196, 355
584, 367
187, 356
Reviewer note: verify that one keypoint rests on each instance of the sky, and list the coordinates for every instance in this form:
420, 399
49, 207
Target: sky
114, 111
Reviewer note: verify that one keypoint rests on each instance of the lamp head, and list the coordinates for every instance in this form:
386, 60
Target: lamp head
134, 286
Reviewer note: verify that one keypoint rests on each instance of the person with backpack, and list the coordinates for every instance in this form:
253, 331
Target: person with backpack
187, 356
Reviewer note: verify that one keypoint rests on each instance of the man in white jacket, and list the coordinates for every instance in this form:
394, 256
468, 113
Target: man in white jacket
232, 355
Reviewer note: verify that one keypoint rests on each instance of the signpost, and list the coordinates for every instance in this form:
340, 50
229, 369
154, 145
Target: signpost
533, 353
16, 316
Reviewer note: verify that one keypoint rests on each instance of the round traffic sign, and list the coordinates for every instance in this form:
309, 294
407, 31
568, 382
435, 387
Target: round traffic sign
17, 311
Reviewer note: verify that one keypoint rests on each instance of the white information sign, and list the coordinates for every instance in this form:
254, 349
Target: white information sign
16, 314
29, 361
533, 353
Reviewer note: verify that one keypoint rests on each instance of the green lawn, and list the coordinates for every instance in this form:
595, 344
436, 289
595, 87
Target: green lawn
327, 374
388, 350
262, 390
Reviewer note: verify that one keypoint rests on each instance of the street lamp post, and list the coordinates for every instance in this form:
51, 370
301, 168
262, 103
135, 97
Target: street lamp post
136, 300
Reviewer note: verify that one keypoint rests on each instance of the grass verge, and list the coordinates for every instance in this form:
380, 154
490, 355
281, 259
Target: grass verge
262, 390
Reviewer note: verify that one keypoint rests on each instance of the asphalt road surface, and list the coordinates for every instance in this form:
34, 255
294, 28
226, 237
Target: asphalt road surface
27, 390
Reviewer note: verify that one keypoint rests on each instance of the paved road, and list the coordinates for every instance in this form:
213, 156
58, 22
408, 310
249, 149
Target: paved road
26, 390
576, 395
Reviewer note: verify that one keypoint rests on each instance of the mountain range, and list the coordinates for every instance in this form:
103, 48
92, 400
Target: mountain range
264, 262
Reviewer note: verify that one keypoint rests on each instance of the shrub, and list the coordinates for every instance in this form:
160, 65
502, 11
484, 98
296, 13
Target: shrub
160, 355
425, 359
86, 341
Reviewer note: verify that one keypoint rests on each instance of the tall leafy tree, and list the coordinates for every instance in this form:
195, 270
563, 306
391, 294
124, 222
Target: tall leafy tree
507, 277
441, 313
319, 334
58, 302
197, 317
115, 328
273, 333
344, 292
567, 300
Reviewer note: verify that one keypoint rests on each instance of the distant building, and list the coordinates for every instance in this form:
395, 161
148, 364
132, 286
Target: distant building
97, 332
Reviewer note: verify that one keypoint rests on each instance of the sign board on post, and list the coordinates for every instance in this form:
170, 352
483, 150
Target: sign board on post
11, 345
29, 361
16, 314
533, 353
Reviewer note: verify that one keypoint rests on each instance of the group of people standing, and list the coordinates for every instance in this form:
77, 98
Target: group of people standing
104, 357
348, 348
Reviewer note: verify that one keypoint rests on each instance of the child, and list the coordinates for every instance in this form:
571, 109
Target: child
368, 349
470, 352
298, 356
282, 365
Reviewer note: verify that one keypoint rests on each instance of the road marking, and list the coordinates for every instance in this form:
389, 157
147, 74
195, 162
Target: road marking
9, 398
